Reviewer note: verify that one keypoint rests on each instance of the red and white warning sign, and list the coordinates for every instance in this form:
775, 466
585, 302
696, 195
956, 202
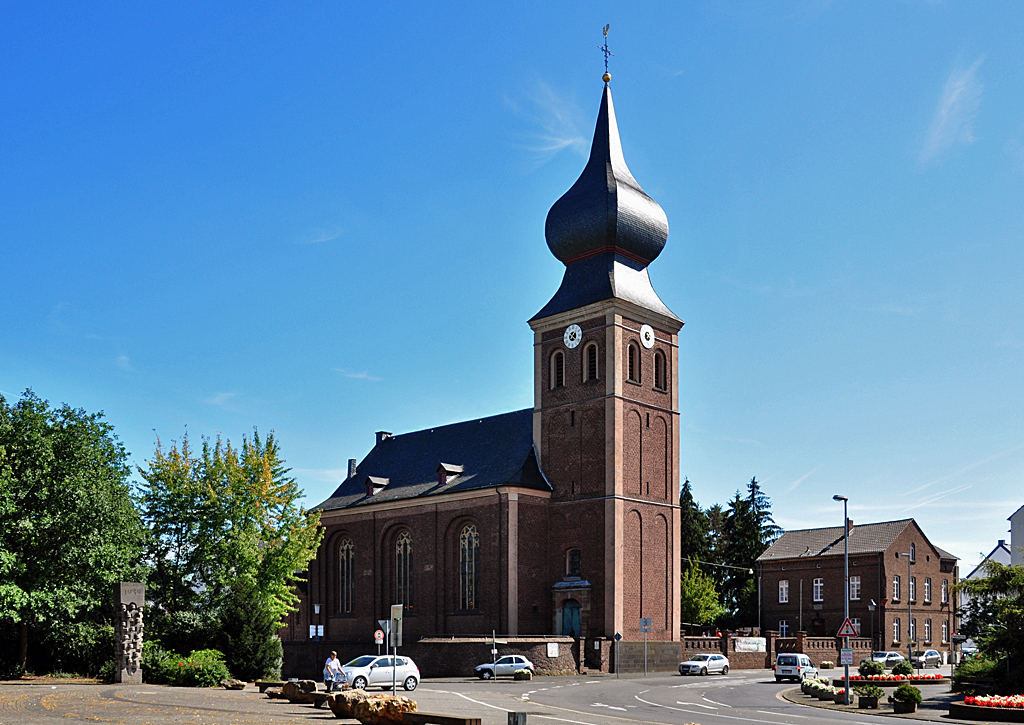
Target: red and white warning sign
847, 630
378, 636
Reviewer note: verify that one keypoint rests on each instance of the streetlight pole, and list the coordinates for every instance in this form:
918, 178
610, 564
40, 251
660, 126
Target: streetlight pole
846, 593
910, 613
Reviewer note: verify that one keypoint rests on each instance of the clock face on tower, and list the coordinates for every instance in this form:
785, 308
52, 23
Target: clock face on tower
573, 335
647, 336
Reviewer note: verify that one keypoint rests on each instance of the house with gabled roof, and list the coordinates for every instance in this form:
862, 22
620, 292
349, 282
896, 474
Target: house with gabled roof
892, 565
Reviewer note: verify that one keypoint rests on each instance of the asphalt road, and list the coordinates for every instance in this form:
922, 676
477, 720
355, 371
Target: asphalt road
737, 698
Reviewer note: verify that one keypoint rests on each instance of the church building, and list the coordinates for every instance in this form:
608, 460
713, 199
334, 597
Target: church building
559, 519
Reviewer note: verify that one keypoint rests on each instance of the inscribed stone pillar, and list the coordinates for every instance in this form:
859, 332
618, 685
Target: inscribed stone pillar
129, 598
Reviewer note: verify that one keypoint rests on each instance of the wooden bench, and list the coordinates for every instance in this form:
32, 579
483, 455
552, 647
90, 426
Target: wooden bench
415, 718
264, 684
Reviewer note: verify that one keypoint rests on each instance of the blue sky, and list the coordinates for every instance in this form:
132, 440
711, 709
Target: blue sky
328, 219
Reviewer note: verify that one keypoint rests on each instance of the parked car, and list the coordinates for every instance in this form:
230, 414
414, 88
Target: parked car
794, 666
888, 659
923, 659
704, 664
373, 671
502, 666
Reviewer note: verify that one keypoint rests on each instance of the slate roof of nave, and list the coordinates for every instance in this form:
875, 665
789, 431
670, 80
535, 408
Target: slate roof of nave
864, 539
494, 451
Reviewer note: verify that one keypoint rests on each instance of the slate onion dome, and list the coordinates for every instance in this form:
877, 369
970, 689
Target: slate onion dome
606, 210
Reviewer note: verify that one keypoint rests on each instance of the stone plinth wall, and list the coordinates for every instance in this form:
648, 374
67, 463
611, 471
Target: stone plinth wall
439, 657
661, 656
819, 649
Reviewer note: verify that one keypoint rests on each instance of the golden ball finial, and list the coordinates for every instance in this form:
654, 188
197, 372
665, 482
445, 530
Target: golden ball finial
606, 77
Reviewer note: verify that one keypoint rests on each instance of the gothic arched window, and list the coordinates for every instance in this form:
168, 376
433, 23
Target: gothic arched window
633, 363
469, 562
403, 569
590, 362
557, 370
660, 371
346, 583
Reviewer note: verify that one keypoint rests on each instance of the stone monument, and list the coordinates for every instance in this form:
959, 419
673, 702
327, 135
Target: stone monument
129, 598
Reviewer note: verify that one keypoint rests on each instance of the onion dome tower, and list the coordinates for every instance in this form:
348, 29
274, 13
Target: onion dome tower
605, 229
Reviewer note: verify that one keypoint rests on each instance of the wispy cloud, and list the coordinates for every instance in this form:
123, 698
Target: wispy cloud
356, 376
802, 478
954, 118
124, 362
937, 497
219, 398
965, 469
557, 120
320, 236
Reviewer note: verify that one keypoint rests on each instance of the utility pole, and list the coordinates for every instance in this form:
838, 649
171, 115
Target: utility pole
846, 593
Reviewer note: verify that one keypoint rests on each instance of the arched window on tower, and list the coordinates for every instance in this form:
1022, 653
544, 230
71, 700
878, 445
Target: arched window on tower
346, 583
660, 371
469, 555
403, 569
557, 370
633, 363
590, 362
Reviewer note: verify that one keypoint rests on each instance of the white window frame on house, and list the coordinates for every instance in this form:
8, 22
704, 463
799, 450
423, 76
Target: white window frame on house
783, 628
854, 588
896, 590
818, 590
912, 633
913, 589
945, 631
913, 553
928, 630
783, 591
896, 629
928, 590
855, 621
945, 591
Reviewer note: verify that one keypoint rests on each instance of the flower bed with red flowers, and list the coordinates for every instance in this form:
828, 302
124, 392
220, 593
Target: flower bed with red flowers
884, 680
1016, 701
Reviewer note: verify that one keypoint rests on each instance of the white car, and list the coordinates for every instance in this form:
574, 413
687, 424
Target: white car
503, 666
794, 666
888, 659
704, 664
372, 671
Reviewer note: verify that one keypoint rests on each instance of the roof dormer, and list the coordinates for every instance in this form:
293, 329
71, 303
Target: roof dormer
375, 484
446, 471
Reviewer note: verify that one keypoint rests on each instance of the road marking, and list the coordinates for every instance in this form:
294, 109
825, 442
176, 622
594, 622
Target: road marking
610, 707
485, 704
697, 712
696, 704
560, 719
713, 702
780, 714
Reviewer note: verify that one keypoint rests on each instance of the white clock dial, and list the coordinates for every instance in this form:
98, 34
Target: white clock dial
647, 336
573, 335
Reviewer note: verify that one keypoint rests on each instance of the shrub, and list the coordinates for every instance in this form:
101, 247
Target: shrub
158, 665
906, 693
249, 631
870, 667
827, 664
868, 691
182, 631
107, 671
903, 668
203, 668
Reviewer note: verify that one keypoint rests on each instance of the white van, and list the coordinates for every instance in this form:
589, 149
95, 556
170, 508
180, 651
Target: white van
794, 666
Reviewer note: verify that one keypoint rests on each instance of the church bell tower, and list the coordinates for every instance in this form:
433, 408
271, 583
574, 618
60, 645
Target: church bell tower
606, 405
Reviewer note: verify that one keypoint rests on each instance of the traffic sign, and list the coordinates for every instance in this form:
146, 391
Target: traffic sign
847, 630
617, 637
959, 638
378, 636
846, 656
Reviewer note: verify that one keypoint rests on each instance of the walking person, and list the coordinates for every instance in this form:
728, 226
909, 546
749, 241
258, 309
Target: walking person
332, 668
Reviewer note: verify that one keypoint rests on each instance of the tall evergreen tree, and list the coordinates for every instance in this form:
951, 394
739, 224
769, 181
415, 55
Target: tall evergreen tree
750, 530
693, 528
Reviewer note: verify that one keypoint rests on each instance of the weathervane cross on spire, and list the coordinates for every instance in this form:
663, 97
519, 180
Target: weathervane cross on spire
604, 49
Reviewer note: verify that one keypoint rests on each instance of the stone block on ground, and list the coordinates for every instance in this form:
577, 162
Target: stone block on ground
275, 693
343, 704
383, 709
231, 684
300, 691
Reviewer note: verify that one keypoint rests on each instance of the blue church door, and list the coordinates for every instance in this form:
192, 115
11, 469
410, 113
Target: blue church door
571, 618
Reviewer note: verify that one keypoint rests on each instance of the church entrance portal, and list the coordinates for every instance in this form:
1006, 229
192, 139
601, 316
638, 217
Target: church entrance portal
571, 618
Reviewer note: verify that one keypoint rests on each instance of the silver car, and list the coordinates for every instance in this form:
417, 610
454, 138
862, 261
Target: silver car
704, 664
888, 659
922, 659
503, 666
372, 671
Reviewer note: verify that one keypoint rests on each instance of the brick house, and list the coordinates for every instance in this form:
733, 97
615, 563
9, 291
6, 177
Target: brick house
801, 578
561, 519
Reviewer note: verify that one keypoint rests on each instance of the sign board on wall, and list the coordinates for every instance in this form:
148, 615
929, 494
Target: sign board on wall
552, 649
749, 644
